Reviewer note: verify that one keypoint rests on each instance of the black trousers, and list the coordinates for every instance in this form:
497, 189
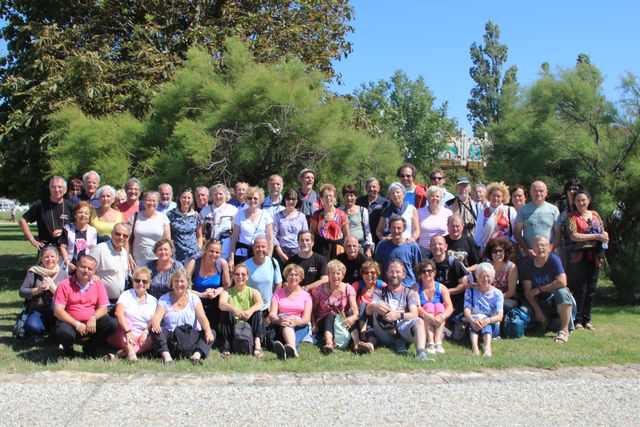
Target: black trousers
67, 335
228, 323
165, 336
583, 283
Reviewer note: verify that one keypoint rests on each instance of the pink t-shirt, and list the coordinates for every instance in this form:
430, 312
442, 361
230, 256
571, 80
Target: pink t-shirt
81, 305
329, 304
292, 306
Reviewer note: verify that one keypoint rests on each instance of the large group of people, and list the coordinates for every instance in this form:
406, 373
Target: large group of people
128, 272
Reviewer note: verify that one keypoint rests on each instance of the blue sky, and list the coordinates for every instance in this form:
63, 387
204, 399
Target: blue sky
432, 39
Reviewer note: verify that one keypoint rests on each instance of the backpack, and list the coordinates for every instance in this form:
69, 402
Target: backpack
183, 341
19, 328
516, 323
242, 338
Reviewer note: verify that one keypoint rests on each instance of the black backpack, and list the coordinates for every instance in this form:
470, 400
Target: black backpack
242, 338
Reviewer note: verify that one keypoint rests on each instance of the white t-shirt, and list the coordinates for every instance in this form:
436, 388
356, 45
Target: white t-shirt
147, 231
219, 222
249, 230
112, 267
137, 314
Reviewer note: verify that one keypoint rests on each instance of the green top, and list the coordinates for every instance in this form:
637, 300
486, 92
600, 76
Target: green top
241, 299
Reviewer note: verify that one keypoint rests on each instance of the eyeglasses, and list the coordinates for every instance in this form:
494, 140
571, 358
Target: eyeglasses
436, 178
120, 234
143, 281
291, 199
427, 271
366, 273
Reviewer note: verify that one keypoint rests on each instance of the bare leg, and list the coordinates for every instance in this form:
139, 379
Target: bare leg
419, 334
474, 343
564, 310
487, 344
289, 336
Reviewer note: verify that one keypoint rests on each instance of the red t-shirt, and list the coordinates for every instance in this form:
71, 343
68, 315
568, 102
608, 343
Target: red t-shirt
81, 305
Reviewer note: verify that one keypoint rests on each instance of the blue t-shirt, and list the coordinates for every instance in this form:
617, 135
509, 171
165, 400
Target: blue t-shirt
264, 278
408, 253
538, 221
540, 276
483, 304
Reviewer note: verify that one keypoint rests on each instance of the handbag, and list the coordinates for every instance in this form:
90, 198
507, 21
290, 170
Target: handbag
20, 327
341, 335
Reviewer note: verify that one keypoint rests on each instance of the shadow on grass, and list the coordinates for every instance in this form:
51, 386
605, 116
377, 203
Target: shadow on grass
13, 268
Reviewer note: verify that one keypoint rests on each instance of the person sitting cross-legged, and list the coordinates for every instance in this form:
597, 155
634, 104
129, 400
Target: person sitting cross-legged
395, 314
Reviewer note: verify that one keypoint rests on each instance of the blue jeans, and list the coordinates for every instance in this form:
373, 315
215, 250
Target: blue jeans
35, 323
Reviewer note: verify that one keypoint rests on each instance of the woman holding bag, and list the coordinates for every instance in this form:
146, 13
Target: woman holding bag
586, 231
331, 301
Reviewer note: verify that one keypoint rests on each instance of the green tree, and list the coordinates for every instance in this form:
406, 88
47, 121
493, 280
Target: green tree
404, 111
224, 121
109, 56
494, 92
563, 126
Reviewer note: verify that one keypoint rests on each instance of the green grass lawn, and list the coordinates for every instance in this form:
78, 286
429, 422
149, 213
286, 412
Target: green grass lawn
616, 340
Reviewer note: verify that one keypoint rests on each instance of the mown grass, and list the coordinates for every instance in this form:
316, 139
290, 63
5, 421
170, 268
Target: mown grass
616, 341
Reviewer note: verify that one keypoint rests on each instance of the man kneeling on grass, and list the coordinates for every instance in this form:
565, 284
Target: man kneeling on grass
395, 314
80, 305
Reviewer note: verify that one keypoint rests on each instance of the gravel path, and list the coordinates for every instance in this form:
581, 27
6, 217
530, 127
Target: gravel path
568, 396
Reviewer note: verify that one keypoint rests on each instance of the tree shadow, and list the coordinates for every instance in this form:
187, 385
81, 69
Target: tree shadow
13, 269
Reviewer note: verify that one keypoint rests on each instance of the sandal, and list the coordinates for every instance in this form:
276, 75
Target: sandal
225, 354
132, 358
579, 326
589, 326
562, 337
258, 353
327, 350
365, 348
110, 357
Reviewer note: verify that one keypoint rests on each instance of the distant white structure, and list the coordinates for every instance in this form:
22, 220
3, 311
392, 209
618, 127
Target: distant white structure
467, 152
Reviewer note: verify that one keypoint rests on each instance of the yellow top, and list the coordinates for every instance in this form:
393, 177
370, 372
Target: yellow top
104, 227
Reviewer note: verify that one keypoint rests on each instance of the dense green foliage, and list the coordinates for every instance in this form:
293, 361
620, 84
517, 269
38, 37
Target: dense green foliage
563, 126
404, 111
493, 92
236, 119
109, 57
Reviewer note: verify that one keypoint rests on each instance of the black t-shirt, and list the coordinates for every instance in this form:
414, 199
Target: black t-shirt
49, 217
464, 249
314, 267
374, 209
449, 274
353, 266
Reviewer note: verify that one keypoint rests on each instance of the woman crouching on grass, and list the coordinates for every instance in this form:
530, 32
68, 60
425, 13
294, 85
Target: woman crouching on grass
483, 306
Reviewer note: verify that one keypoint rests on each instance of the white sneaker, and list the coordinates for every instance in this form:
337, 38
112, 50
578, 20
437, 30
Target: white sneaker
430, 348
439, 348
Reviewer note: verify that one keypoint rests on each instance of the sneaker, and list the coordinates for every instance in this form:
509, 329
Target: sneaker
421, 356
439, 348
290, 351
400, 347
431, 348
279, 350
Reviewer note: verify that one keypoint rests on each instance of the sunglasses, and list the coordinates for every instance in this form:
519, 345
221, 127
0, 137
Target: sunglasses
436, 178
143, 281
497, 250
427, 271
120, 234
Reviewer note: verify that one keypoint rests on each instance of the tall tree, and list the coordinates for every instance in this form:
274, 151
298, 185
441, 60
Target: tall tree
404, 110
493, 92
222, 122
109, 56
562, 127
